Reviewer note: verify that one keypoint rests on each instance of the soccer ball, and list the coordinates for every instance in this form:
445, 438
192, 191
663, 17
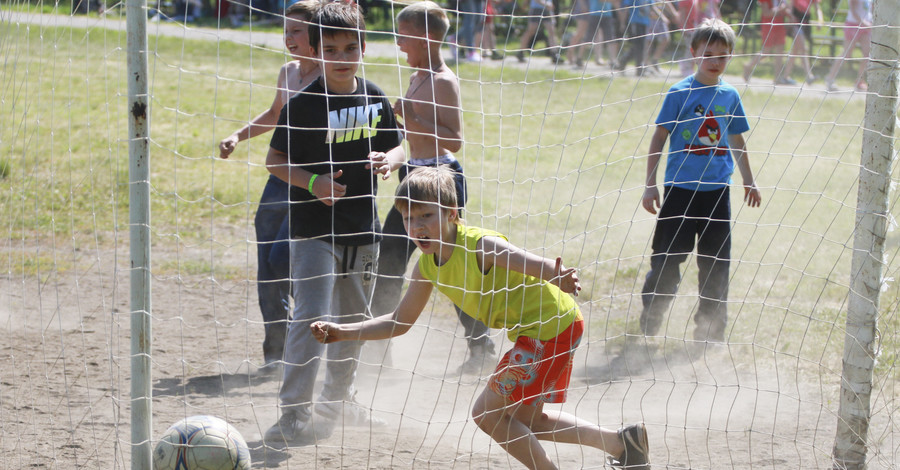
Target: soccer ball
201, 443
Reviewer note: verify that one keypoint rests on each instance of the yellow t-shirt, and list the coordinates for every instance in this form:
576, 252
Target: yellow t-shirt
524, 305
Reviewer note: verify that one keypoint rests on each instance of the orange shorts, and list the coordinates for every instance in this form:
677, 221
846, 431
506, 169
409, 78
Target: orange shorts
536, 371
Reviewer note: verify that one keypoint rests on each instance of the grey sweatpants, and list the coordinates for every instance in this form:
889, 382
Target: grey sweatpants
333, 283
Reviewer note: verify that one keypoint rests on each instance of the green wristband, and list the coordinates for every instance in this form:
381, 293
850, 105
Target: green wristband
312, 180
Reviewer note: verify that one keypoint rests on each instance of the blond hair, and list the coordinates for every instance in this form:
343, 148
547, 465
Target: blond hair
428, 17
427, 186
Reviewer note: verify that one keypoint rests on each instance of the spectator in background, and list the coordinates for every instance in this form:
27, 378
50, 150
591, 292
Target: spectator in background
610, 27
484, 36
470, 19
637, 23
692, 13
662, 15
801, 30
857, 33
772, 32
540, 13
601, 31
575, 49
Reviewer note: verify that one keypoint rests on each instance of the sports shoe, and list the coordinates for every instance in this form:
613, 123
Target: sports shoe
637, 450
481, 356
785, 81
286, 430
348, 413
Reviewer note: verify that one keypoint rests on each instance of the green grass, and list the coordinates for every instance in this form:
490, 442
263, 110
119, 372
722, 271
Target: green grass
553, 160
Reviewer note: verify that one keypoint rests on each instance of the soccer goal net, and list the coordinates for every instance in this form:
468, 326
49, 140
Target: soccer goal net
559, 109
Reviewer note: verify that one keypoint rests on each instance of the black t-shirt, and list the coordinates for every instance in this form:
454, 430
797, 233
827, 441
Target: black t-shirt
326, 133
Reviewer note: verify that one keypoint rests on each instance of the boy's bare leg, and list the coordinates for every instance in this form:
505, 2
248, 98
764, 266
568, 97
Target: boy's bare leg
518, 428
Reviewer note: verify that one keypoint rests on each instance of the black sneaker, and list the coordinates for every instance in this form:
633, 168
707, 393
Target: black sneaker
520, 56
637, 450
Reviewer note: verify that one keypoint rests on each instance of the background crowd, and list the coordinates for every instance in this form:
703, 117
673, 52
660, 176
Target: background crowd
643, 34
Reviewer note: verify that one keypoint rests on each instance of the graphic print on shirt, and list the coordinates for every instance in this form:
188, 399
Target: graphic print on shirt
353, 123
709, 135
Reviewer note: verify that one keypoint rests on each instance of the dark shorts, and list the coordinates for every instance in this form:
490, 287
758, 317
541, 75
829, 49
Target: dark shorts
801, 25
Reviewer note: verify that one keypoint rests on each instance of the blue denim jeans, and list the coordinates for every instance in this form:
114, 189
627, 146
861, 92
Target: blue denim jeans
470, 16
273, 265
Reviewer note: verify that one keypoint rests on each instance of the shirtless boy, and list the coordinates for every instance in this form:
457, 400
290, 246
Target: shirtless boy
432, 117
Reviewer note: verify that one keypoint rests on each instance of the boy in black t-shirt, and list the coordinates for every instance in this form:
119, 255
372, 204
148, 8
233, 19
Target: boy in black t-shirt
332, 140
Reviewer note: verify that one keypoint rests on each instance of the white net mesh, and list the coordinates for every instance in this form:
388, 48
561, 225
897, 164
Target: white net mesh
555, 157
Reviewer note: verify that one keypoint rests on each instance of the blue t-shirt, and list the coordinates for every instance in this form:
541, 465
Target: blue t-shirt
638, 11
600, 8
700, 118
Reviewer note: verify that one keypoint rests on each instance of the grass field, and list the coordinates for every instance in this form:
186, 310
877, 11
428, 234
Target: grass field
553, 158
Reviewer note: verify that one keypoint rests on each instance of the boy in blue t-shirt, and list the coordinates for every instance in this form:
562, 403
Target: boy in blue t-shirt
703, 118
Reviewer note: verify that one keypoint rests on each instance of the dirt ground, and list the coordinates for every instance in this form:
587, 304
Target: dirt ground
65, 361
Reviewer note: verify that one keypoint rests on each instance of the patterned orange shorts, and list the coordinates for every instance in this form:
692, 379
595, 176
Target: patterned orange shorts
536, 371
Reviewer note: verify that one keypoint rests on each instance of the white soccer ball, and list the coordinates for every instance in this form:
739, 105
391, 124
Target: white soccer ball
201, 443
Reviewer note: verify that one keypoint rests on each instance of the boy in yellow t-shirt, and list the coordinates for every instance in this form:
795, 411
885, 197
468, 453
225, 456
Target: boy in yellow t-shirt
504, 287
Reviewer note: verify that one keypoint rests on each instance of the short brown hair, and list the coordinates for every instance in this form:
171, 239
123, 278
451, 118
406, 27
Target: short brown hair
713, 30
334, 18
428, 17
427, 185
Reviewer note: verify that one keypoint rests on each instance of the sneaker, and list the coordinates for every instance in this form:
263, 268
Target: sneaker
637, 450
473, 56
271, 368
481, 356
286, 430
496, 55
785, 81
520, 56
830, 86
348, 413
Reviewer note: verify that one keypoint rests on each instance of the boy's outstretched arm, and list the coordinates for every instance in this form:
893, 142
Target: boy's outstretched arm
385, 163
261, 124
385, 326
496, 251
752, 196
650, 199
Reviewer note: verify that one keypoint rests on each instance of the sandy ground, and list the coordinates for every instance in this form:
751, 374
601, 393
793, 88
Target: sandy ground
64, 366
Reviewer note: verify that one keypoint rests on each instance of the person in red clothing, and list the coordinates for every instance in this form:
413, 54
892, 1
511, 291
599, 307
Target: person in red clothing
801, 30
773, 33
